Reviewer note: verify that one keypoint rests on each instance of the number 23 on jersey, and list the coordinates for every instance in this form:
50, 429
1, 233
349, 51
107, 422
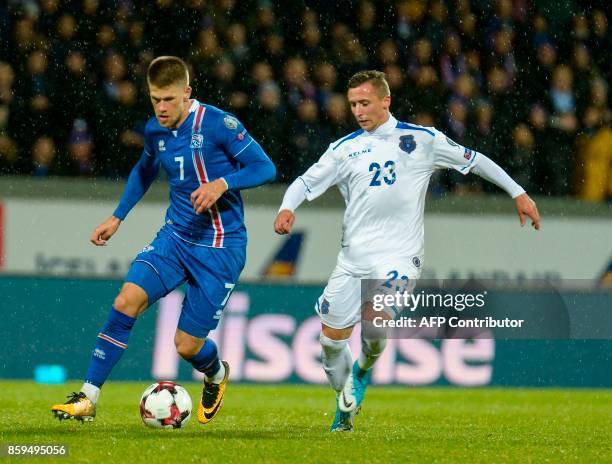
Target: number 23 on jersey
386, 173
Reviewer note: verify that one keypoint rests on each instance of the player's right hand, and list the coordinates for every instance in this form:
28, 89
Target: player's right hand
284, 222
105, 231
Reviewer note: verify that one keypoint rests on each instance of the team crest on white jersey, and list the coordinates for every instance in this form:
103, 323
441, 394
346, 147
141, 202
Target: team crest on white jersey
161, 145
197, 140
407, 143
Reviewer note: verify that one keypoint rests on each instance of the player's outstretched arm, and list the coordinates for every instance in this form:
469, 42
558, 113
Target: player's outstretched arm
314, 182
526, 208
105, 231
141, 177
294, 196
449, 154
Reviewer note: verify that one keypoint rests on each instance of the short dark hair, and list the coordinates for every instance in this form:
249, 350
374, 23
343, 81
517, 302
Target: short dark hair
167, 70
377, 78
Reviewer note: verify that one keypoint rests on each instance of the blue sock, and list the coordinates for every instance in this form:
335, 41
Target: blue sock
207, 359
111, 343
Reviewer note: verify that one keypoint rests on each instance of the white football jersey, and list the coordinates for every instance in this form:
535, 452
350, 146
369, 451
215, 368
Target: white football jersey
383, 177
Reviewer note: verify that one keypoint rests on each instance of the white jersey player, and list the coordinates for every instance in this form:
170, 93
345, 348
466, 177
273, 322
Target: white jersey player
382, 171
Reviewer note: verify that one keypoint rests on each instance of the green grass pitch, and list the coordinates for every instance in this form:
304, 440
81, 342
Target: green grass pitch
290, 424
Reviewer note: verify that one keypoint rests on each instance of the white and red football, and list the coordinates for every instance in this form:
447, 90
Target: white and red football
165, 405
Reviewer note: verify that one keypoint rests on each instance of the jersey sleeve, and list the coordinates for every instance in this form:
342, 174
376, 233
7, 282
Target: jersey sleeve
449, 154
256, 168
232, 135
148, 149
140, 179
321, 175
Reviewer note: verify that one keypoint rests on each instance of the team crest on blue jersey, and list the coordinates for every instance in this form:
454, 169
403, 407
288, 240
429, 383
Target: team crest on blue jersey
197, 140
407, 143
230, 122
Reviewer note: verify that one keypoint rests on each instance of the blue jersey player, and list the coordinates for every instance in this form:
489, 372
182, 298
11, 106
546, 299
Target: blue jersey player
208, 157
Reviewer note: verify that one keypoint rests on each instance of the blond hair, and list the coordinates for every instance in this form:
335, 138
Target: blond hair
376, 78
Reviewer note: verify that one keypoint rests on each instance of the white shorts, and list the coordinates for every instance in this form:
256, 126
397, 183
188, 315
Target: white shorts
339, 306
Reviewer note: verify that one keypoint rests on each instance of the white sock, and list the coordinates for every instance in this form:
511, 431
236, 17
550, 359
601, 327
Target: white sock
91, 391
218, 377
337, 361
370, 352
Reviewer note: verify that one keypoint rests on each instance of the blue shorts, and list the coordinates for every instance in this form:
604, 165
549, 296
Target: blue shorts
210, 274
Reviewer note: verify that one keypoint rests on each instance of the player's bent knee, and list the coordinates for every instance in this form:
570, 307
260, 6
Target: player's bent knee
132, 300
373, 346
120, 303
186, 350
330, 345
336, 334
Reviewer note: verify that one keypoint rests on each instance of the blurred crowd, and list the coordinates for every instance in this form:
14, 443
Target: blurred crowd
524, 81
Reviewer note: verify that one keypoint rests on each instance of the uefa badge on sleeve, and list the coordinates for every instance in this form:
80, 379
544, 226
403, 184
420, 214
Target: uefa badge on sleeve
197, 140
230, 122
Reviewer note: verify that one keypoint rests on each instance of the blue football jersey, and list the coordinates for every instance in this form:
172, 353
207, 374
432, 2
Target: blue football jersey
208, 145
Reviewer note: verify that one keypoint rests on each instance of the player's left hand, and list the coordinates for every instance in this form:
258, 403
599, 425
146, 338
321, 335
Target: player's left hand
284, 222
526, 208
206, 195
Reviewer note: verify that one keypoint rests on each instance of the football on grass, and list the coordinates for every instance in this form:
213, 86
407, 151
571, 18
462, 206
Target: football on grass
165, 405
